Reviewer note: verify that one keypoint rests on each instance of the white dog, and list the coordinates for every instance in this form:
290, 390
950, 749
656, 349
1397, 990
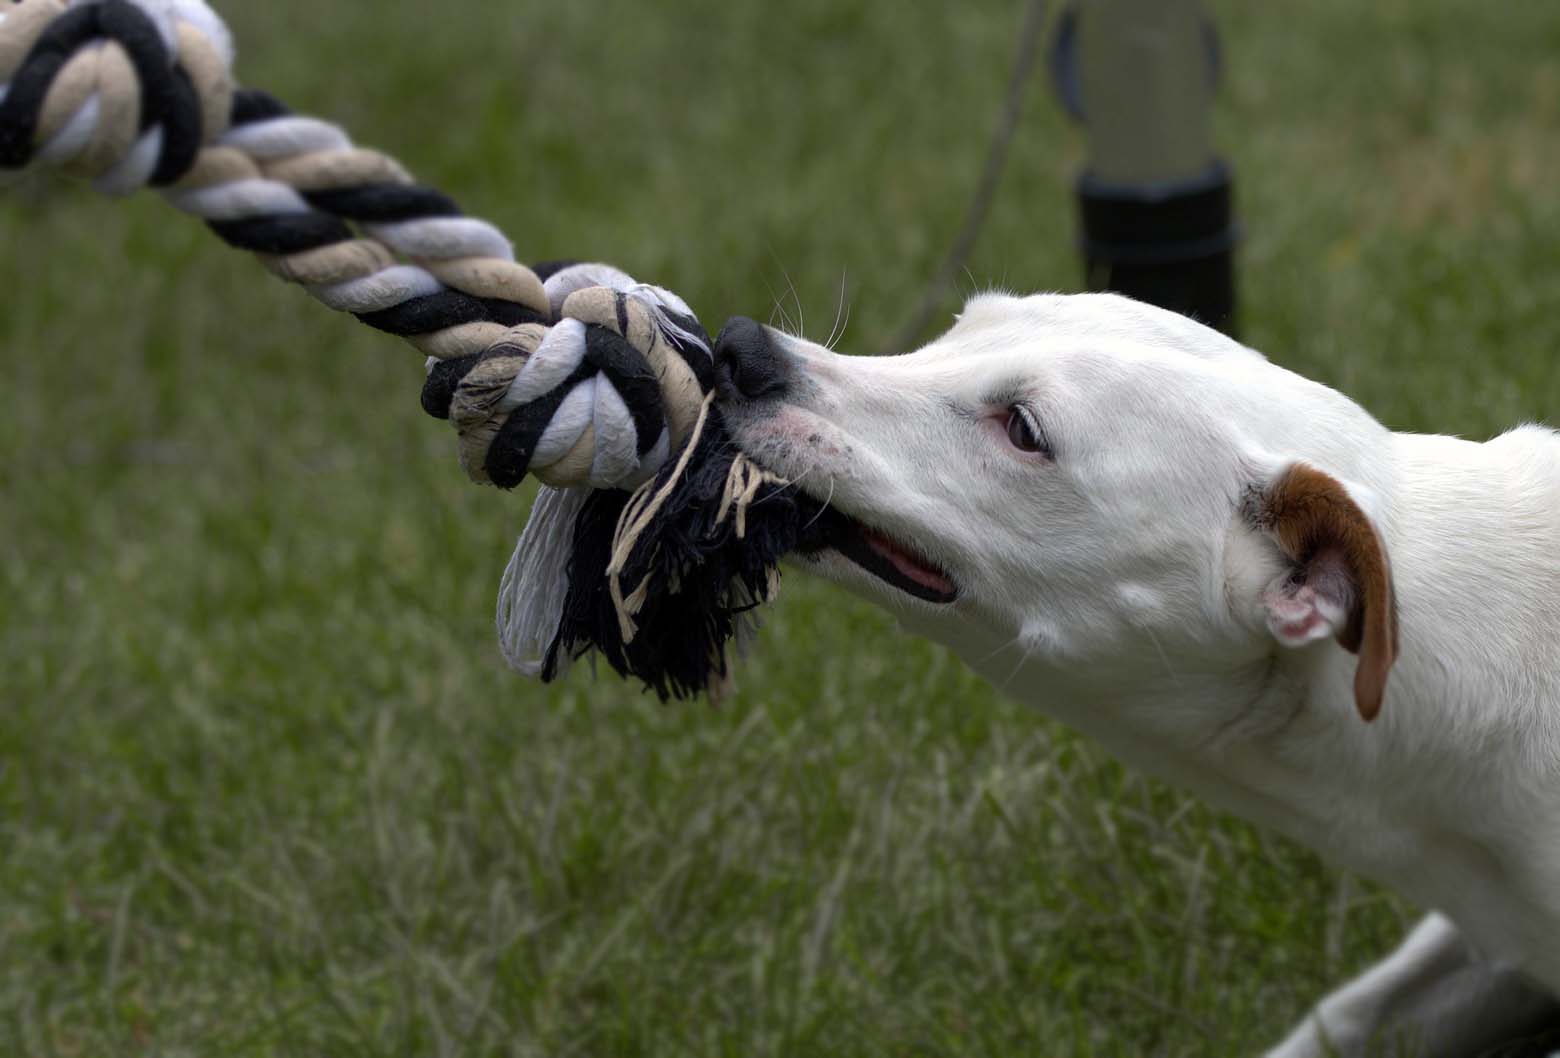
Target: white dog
1238, 580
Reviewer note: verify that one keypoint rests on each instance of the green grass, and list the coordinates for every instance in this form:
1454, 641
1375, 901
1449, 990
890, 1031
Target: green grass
265, 787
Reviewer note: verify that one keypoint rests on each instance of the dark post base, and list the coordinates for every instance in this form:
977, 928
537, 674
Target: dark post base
1171, 245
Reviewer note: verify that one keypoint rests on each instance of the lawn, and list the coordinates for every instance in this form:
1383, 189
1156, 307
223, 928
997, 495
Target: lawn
266, 788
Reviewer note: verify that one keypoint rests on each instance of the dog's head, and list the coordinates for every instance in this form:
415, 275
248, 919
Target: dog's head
1090, 481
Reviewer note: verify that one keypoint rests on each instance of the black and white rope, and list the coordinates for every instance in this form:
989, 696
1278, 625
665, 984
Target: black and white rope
575, 374
582, 376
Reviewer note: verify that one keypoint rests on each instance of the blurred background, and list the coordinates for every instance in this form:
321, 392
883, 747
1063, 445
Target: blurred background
265, 785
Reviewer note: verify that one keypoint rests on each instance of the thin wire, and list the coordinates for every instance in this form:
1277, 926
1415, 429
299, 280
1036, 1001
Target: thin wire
990, 178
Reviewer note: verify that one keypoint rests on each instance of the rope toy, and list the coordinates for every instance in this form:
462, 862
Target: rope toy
652, 537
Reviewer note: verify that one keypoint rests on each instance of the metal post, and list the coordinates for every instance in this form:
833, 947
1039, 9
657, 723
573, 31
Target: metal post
1156, 201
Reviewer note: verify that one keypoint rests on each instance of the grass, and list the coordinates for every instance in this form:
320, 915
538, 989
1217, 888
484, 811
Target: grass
265, 787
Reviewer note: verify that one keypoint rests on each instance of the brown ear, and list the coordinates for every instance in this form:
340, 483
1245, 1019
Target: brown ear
1341, 583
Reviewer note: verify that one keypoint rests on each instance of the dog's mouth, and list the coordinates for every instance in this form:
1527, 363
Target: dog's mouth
891, 560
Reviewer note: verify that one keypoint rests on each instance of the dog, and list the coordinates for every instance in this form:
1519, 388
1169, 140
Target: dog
1237, 580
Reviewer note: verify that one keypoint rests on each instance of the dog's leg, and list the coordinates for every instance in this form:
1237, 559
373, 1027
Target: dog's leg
1432, 998
1345, 1022
1485, 1009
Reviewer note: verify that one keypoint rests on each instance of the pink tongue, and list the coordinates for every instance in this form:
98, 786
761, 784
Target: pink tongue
912, 568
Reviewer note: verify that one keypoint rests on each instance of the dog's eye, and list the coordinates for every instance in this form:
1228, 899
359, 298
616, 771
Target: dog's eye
1024, 434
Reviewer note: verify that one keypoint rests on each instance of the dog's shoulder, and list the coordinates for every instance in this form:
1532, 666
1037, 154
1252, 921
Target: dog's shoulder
1528, 460
1530, 449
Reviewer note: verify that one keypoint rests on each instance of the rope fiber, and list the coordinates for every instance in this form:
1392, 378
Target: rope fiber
572, 373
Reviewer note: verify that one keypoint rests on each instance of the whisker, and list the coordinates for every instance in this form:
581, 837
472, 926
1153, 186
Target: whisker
1022, 661
799, 325
841, 312
1159, 648
813, 520
1005, 646
797, 481
789, 484
801, 313
844, 326
777, 308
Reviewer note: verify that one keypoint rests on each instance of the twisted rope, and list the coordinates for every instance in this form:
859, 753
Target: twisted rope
584, 379
576, 374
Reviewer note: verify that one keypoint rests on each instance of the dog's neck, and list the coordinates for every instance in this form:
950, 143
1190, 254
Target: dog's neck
1287, 752
1410, 799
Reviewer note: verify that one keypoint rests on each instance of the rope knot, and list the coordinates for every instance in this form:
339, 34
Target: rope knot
656, 538
599, 399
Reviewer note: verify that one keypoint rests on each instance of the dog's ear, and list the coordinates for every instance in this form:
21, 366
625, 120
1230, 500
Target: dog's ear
1340, 581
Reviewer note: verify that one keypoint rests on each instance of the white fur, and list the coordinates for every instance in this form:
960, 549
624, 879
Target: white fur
1121, 590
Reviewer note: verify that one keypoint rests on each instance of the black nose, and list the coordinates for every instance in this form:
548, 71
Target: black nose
747, 362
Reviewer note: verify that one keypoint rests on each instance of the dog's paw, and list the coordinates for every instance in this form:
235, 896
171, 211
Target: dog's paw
1310, 1040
